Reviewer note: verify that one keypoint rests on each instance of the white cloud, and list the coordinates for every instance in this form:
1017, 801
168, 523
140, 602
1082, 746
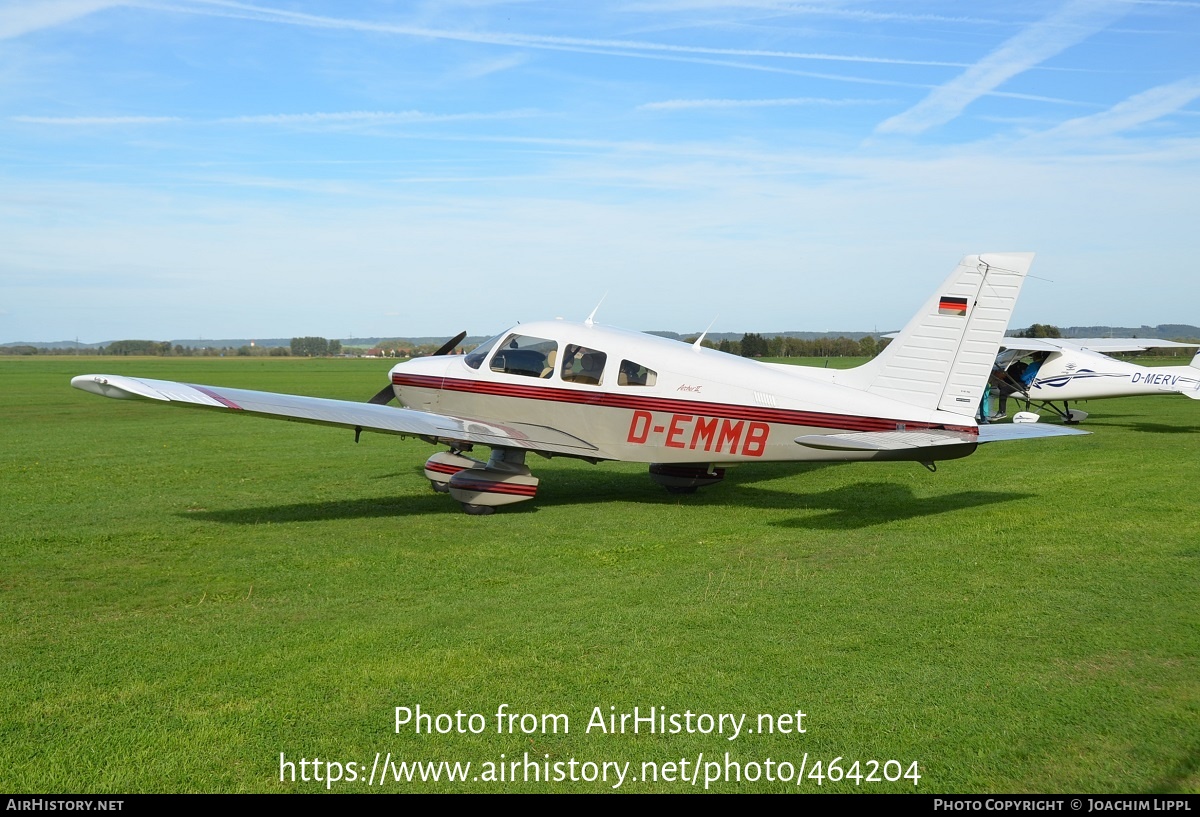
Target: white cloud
483, 68
1137, 110
327, 118
1072, 23
804, 221
835, 10
581, 44
370, 117
686, 104
18, 19
81, 121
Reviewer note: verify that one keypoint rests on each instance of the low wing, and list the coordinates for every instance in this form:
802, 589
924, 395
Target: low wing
323, 411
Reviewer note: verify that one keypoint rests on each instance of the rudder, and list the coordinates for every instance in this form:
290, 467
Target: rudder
942, 359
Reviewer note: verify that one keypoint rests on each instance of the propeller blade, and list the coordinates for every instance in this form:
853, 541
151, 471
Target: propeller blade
449, 345
385, 396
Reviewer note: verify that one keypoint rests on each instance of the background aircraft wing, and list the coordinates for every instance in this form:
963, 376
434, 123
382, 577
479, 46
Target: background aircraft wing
344, 413
1033, 344
1105, 345
1101, 345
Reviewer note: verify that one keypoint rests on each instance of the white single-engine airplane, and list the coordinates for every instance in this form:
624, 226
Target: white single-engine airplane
595, 393
1076, 369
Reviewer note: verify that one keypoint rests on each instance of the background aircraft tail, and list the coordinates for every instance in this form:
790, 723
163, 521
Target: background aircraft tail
1191, 389
942, 359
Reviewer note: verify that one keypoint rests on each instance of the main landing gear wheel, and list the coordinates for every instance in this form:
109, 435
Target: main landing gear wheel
685, 478
480, 489
1068, 415
439, 487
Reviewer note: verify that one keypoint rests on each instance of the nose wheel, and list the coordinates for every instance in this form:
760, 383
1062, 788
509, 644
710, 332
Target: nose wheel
685, 478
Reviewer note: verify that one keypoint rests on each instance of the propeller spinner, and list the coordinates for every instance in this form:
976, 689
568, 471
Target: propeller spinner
387, 394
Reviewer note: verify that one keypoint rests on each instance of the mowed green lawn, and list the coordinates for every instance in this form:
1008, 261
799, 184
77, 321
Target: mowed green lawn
186, 595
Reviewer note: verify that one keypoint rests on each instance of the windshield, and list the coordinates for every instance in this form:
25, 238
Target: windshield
477, 355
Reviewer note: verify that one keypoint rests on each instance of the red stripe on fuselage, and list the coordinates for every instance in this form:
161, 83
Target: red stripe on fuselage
809, 419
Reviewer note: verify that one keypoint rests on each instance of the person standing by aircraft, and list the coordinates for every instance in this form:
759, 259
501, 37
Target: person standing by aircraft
1027, 376
984, 415
1009, 381
1016, 379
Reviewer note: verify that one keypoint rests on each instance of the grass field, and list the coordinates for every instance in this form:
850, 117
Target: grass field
187, 595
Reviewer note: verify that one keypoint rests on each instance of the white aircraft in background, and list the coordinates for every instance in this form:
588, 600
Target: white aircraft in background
1076, 369
591, 392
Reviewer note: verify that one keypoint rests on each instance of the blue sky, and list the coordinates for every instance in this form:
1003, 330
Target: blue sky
209, 168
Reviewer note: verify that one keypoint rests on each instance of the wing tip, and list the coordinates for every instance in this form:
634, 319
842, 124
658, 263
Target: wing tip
104, 385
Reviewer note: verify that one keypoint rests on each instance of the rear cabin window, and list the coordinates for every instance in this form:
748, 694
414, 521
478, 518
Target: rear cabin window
583, 365
635, 374
526, 356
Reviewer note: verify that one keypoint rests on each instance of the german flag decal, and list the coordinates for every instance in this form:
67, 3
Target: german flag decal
952, 306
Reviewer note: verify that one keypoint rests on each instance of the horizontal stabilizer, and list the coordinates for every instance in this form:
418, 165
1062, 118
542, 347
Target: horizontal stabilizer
344, 413
885, 440
994, 433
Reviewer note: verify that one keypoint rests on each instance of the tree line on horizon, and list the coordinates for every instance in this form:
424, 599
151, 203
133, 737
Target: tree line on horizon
752, 344
300, 347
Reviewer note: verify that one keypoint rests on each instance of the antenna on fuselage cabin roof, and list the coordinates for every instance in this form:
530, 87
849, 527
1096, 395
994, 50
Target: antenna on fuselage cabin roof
705, 332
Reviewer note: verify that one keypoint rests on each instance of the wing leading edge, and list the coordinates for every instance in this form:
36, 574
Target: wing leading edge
912, 442
343, 413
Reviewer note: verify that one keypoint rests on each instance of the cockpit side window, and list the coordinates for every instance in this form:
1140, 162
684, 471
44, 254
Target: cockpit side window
525, 355
583, 365
635, 374
476, 356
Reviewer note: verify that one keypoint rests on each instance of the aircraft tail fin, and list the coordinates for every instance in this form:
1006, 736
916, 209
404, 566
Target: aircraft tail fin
1191, 387
942, 359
